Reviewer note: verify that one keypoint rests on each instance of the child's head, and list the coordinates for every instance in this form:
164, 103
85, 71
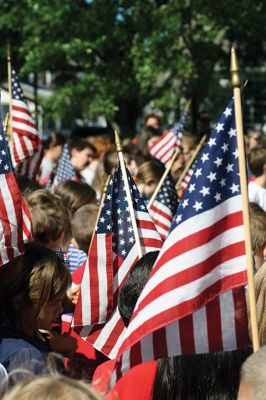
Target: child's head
148, 177
33, 286
82, 153
257, 161
53, 146
53, 388
82, 226
258, 233
189, 142
50, 219
75, 194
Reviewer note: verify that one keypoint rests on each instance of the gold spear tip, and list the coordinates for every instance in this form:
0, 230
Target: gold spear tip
117, 138
235, 71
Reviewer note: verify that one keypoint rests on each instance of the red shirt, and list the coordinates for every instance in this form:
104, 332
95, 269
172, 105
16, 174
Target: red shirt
137, 384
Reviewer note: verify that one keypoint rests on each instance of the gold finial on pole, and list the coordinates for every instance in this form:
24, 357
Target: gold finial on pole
235, 71
244, 194
118, 140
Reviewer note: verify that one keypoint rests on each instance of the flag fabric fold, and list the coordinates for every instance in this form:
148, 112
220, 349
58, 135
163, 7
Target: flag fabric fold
112, 254
170, 142
164, 207
11, 201
65, 170
27, 148
194, 299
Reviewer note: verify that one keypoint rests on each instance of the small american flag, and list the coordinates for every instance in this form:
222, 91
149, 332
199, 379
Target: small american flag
194, 301
64, 172
27, 149
164, 207
112, 254
26, 222
164, 148
11, 233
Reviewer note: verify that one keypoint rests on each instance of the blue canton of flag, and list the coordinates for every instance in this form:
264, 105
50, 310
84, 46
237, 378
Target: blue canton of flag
65, 170
112, 254
195, 289
164, 207
216, 176
179, 127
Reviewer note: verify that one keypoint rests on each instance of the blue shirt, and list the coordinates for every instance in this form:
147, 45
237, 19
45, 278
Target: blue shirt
19, 352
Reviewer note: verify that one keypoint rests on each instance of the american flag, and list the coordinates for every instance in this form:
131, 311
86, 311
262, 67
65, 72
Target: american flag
193, 301
27, 149
26, 222
164, 207
10, 207
164, 148
112, 254
64, 172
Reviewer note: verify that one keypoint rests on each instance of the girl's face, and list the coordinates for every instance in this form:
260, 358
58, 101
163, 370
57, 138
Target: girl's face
50, 312
147, 188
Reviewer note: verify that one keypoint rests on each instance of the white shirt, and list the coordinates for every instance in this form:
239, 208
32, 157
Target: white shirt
257, 194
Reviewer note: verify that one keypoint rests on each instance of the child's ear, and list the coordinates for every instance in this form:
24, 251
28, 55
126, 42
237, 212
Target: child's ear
74, 243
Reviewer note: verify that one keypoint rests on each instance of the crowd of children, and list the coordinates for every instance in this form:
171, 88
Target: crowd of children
38, 294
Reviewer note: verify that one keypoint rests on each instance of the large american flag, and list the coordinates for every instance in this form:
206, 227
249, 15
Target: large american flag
112, 254
164, 207
193, 301
164, 148
65, 170
27, 149
11, 233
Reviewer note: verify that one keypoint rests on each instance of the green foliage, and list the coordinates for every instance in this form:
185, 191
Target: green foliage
113, 55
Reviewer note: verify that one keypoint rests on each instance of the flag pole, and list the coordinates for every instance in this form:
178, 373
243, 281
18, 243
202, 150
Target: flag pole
236, 84
166, 172
128, 194
191, 161
9, 74
6, 122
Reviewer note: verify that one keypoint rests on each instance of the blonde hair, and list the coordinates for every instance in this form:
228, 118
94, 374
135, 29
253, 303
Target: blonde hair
257, 226
260, 296
150, 171
49, 216
33, 279
52, 388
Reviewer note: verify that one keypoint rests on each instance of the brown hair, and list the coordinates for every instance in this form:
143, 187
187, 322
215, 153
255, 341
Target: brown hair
75, 194
31, 279
53, 388
55, 139
257, 160
49, 216
103, 144
257, 226
150, 171
82, 225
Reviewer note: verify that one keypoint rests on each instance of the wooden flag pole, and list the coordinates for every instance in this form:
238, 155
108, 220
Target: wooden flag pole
9, 74
129, 198
235, 74
168, 168
191, 161
166, 172
6, 122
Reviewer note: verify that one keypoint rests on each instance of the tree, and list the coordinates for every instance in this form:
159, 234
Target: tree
112, 57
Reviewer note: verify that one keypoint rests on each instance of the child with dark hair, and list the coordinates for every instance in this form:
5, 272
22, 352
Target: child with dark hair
212, 376
75, 194
82, 153
33, 287
53, 148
